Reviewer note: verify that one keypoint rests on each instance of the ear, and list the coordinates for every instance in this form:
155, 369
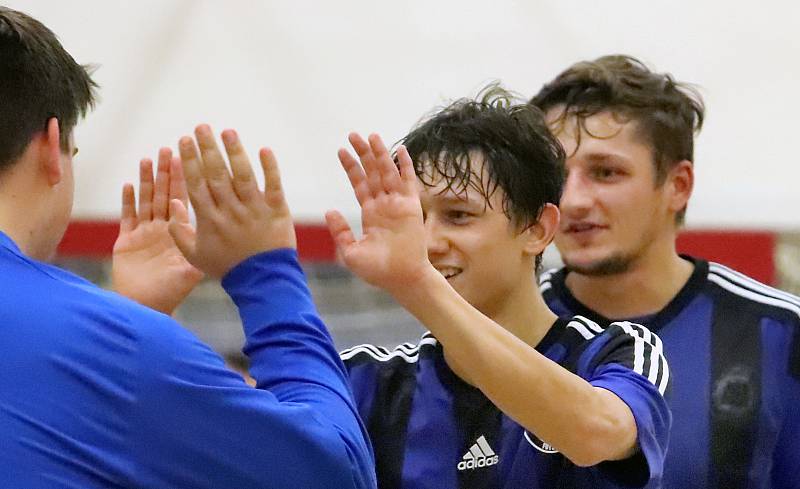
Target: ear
681, 184
539, 235
51, 154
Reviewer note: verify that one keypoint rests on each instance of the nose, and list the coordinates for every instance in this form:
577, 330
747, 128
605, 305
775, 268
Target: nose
435, 238
577, 196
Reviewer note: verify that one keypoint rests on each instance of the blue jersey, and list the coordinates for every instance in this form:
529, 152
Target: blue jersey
432, 430
734, 350
97, 391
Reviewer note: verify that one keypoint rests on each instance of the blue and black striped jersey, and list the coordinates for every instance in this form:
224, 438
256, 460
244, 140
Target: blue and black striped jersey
734, 350
430, 429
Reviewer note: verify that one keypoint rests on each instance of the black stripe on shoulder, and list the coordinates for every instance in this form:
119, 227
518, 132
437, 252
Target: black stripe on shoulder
395, 383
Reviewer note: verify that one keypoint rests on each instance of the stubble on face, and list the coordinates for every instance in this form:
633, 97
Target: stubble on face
612, 265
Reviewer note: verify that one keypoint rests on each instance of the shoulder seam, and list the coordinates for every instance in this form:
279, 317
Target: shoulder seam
755, 291
743, 280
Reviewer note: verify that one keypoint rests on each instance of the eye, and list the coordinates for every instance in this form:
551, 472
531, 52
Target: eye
458, 216
606, 173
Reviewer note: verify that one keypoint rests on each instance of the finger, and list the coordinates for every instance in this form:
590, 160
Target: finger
214, 168
161, 189
273, 187
177, 182
179, 228
145, 189
367, 159
196, 186
407, 173
358, 180
390, 178
244, 180
128, 221
340, 231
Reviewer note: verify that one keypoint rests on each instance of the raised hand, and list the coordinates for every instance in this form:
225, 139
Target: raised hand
392, 253
147, 266
235, 219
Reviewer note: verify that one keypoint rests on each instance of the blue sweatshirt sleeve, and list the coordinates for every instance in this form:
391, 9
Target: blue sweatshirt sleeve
201, 426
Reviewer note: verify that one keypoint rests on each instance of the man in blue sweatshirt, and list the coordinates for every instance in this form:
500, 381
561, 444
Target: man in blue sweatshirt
99, 391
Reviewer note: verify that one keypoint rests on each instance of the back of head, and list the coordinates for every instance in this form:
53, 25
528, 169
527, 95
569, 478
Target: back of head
668, 113
39, 80
517, 152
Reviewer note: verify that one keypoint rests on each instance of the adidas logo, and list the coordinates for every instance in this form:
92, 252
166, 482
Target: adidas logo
479, 455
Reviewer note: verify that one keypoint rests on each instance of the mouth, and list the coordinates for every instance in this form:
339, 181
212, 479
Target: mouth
448, 272
582, 228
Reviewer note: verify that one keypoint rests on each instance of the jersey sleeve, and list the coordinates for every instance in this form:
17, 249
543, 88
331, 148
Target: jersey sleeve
199, 425
628, 360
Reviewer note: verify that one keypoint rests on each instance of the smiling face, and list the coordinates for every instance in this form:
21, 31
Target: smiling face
471, 241
613, 212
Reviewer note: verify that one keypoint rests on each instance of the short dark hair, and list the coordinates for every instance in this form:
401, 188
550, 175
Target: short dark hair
519, 153
38, 80
668, 112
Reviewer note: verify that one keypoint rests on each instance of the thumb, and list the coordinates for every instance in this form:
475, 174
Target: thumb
180, 228
340, 230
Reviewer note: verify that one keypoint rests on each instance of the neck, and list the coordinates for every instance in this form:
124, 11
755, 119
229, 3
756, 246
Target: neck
525, 314
20, 212
647, 286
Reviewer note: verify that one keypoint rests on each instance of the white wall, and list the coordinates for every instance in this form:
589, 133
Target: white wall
298, 75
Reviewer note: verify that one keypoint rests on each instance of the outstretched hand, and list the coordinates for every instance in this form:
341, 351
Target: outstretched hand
235, 219
147, 266
392, 253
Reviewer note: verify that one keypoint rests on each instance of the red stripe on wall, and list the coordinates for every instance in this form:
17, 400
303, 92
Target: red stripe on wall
95, 239
750, 252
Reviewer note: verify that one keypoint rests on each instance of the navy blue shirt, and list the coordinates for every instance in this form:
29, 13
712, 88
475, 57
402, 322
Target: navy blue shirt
734, 350
97, 391
432, 430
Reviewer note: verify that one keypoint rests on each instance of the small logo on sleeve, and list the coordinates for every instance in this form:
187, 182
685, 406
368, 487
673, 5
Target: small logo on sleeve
538, 444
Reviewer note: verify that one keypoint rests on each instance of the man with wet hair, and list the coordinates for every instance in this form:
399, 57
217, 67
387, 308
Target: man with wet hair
500, 393
733, 343
97, 391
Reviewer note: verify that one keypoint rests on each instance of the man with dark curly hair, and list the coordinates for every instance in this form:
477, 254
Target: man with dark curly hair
500, 393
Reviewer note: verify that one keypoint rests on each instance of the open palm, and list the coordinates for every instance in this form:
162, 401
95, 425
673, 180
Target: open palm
147, 266
391, 254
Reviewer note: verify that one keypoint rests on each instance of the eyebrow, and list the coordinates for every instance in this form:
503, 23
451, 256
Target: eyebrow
605, 158
452, 199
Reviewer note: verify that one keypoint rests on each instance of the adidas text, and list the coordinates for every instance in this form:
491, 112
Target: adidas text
481, 462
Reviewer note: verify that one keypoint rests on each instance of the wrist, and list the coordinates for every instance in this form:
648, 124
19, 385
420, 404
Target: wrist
419, 291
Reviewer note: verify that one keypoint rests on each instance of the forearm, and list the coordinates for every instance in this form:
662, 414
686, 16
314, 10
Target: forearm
196, 424
291, 352
587, 424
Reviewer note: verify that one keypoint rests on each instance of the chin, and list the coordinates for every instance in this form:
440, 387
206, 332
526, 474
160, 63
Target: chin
610, 265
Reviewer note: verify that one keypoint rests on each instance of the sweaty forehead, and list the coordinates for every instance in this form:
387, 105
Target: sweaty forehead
448, 180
